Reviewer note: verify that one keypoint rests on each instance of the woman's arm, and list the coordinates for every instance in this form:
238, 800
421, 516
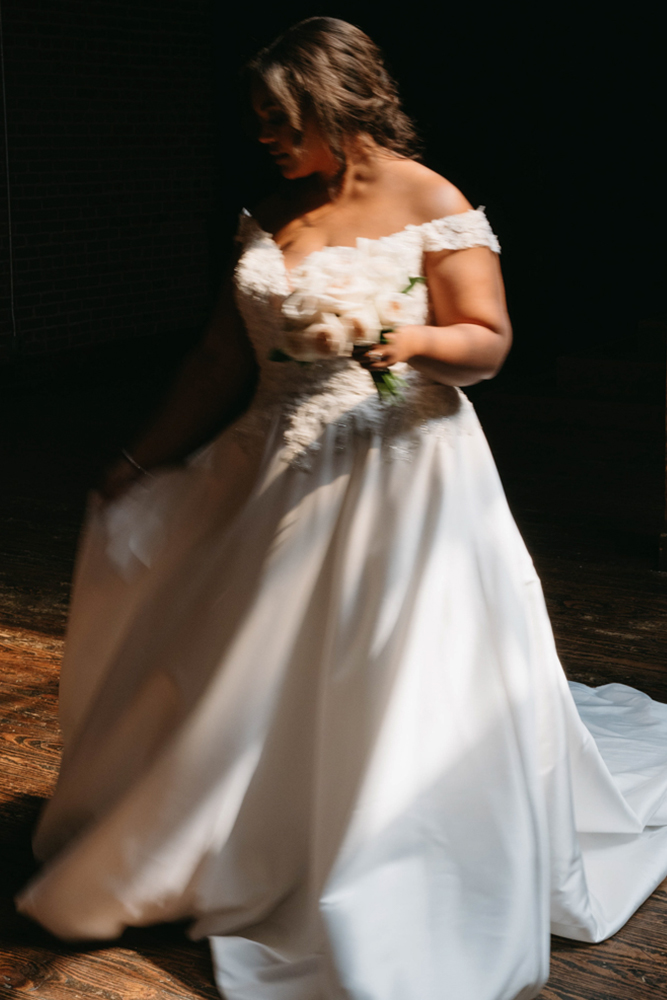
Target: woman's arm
472, 332
214, 386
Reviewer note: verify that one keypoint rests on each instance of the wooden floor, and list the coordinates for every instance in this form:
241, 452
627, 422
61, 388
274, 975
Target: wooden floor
586, 493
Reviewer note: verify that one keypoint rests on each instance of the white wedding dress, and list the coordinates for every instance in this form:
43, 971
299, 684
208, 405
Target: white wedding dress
311, 699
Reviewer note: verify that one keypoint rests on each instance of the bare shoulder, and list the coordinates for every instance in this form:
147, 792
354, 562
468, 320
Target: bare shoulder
429, 195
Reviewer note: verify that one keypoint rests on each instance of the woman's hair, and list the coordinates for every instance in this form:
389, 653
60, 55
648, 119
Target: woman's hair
333, 69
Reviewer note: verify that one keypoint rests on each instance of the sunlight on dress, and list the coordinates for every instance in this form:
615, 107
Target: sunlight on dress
312, 701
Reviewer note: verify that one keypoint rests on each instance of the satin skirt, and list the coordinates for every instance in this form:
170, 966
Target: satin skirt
321, 714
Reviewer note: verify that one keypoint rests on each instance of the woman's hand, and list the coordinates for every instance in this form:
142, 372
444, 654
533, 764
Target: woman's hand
471, 331
400, 345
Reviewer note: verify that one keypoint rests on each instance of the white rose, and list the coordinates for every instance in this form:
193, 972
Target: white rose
363, 324
327, 337
307, 278
346, 286
400, 309
301, 308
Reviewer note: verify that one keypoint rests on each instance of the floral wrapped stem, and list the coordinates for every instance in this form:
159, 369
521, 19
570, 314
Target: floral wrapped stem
341, 311
390, 386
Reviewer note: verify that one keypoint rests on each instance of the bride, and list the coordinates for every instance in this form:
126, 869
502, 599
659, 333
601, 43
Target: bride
310, 697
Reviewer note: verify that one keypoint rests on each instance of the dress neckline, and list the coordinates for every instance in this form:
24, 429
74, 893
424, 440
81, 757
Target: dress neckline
409, 228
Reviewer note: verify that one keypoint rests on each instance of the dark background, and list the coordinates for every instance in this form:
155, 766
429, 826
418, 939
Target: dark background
128, 164
109, 141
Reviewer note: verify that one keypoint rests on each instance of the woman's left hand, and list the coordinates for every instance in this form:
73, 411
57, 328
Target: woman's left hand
400, 345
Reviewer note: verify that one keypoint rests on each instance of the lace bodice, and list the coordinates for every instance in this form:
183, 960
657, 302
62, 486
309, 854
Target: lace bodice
306, 397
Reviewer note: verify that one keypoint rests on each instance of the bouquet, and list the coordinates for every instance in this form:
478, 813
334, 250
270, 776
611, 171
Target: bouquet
346, 307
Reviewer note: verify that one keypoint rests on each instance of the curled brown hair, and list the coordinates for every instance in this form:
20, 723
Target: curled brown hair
333, 69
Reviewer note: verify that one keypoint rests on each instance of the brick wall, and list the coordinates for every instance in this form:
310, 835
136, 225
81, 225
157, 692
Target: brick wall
111, 139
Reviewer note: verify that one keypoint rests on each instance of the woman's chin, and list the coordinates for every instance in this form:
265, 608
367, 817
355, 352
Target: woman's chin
289, 171
293, 171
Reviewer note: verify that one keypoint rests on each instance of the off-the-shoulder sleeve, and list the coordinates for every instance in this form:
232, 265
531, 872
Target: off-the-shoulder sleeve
460, 232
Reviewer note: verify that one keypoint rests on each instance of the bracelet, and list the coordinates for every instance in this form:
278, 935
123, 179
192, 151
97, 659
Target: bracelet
133, 462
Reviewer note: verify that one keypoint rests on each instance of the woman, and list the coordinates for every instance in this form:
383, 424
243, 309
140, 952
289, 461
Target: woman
311, 697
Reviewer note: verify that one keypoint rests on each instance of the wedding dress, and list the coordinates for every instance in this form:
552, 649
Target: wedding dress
311, 698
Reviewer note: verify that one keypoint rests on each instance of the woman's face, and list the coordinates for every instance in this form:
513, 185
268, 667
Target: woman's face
296, 154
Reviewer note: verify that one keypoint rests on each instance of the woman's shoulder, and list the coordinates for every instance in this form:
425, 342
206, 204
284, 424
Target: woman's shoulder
428, 195
444, 216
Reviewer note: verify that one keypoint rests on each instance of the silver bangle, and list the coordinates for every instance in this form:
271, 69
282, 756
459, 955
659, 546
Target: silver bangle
133, 462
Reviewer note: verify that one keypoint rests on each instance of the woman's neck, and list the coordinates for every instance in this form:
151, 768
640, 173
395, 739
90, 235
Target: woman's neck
365, 162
